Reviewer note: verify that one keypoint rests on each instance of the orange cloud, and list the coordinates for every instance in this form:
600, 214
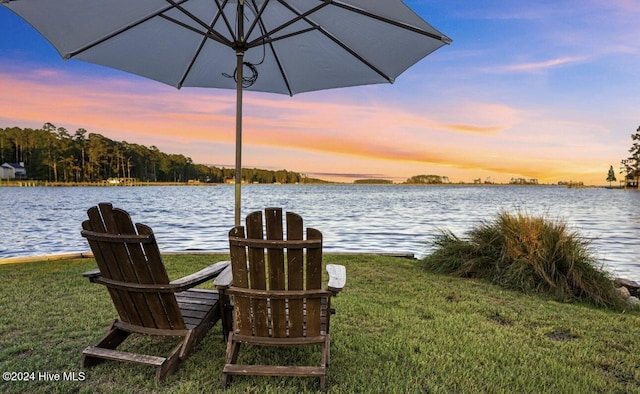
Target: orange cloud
475, 129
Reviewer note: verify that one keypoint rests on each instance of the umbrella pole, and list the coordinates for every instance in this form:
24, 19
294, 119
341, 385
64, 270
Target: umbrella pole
238, 174
240, 43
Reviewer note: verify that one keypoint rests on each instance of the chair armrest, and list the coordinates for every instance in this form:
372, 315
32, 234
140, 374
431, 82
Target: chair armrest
337, 277
92, 274
225, 279
201, 276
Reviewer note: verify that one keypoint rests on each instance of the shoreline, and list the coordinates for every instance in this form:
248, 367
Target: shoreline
48, 257
89, 255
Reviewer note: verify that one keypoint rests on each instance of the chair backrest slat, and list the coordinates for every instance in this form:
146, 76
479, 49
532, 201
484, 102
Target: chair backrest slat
240, 274
151, 270
258, 276
132, 261
314, 281
275, 257
295, 267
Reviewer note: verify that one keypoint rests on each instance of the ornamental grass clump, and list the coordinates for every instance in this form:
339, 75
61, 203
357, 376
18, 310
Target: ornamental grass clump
531, 254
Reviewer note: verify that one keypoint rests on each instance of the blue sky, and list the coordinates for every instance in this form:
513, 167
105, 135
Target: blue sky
546, 90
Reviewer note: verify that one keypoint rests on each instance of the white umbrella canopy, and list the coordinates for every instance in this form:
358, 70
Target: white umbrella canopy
275, 46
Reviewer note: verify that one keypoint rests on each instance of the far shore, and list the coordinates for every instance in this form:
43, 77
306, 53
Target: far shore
35, 183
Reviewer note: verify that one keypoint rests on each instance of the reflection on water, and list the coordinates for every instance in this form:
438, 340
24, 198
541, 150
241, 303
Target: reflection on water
394, 219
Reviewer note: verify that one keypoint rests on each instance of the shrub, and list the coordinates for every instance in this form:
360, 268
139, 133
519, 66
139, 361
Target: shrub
531, 254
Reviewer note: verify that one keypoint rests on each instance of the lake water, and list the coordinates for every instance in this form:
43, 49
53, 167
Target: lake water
353, 218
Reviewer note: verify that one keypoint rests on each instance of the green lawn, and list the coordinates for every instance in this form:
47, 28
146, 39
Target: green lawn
398, 329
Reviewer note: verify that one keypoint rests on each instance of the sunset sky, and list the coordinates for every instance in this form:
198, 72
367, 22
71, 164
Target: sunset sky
547, 90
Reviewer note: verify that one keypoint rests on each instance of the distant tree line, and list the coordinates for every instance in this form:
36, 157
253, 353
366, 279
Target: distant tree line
56, 155
523, 181
373, 181
427, 179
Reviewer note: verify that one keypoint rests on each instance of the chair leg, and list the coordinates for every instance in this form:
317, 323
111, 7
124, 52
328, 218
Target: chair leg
172, 362
233, 349
112, 339
327, 346
224, 384
226, 314
325, 362
188, 342
325, 356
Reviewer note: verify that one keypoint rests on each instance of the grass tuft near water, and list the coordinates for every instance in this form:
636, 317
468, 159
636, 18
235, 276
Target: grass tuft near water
527, 253
398, 329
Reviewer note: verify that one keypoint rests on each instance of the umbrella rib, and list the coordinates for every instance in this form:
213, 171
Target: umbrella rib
299, 16
284, 76
258, 17
337, 41
269, 40
192, 62
224, 18
212, 32
401, 25
118, 32
273, 50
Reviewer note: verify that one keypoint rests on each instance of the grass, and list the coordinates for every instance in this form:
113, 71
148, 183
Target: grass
528, 253
397, 329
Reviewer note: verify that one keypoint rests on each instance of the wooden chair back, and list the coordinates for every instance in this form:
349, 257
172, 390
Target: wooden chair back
132, 269
277, 282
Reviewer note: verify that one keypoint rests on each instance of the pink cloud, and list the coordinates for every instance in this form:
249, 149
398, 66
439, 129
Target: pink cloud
537, 66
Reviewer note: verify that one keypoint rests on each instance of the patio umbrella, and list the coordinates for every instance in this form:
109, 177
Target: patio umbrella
274, 46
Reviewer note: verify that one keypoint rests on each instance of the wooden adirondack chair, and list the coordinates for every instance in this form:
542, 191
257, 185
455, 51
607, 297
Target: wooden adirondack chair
277, 293
130, 266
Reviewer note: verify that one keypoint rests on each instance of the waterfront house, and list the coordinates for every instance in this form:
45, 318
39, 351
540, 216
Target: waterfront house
13, 171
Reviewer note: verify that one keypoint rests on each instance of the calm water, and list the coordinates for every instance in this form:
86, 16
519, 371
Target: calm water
398, 219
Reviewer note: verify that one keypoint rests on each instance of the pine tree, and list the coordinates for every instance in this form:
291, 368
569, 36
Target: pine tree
612, 176
632, 163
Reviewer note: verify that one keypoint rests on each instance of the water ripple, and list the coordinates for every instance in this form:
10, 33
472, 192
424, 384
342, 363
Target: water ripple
363, 218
